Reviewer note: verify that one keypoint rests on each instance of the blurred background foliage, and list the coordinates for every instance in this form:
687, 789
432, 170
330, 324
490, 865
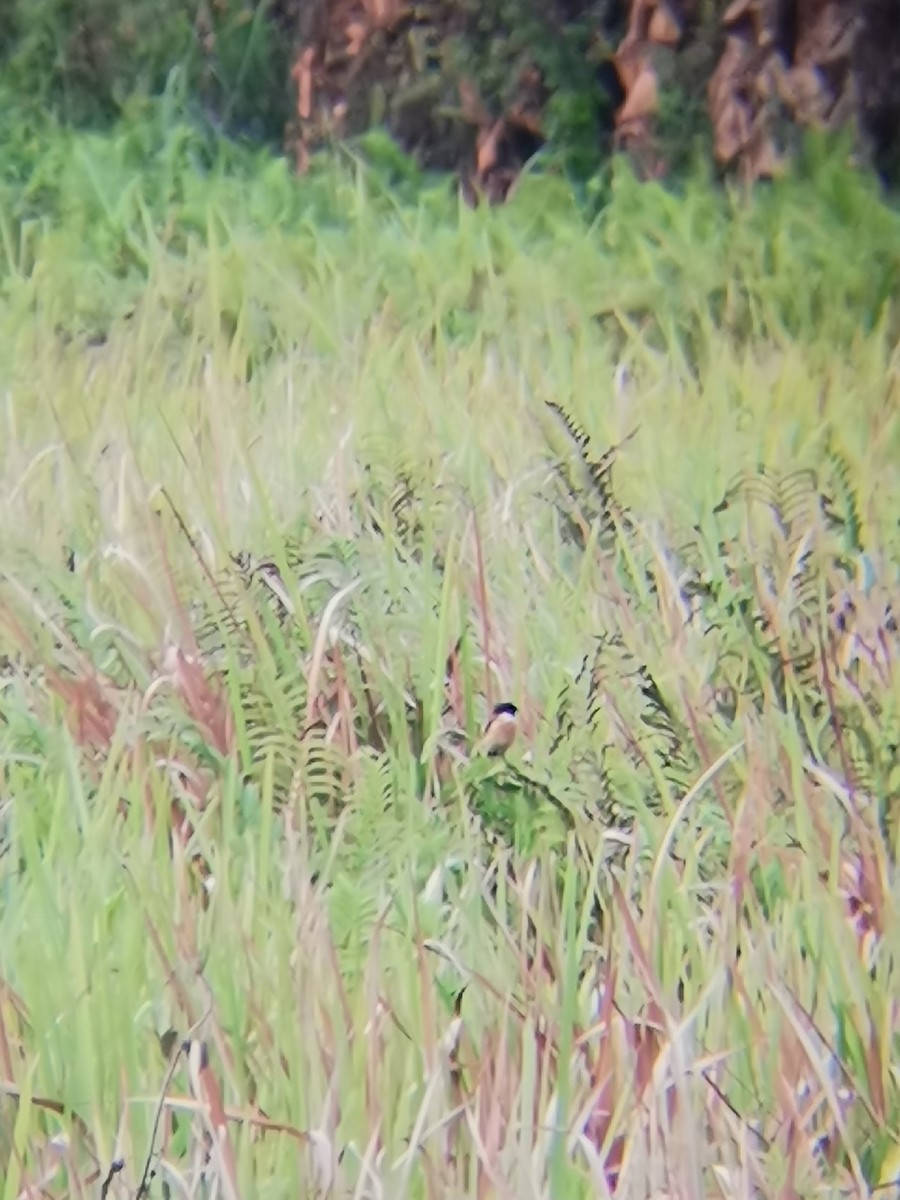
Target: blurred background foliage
477, 88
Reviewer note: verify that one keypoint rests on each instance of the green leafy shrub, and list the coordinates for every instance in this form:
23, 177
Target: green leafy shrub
87, 61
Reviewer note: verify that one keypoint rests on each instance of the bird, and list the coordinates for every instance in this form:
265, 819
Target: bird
500, 731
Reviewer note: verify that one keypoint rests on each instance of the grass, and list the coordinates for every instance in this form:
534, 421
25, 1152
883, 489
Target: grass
300, 477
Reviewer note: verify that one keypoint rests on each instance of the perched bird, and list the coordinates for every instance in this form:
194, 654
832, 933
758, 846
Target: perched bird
500, 731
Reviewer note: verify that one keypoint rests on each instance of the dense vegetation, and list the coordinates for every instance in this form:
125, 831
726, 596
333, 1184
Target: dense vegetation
299, 476
478, 86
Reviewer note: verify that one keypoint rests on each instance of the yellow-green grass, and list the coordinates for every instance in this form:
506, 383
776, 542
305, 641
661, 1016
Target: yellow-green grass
673, 912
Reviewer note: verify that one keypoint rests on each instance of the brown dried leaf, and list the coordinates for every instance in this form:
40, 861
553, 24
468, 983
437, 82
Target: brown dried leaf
486, 147
205, 1088
385, 14
629, 61
524, 119
727, 75
356, 33
730, 111
639, 20
301, 73
665, 27
761, 160
731, 127
642, 99
802, 90
90, 712
738, 10
473, 110
825, 32
453, 684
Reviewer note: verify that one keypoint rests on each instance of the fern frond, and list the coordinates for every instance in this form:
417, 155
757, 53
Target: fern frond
841, 506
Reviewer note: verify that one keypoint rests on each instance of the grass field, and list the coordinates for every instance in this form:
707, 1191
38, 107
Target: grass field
298, 479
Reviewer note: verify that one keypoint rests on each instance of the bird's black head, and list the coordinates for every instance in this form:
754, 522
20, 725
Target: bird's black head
505, 708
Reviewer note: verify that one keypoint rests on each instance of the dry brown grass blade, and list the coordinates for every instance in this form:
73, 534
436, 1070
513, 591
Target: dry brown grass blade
490, 988
746, 831
260, 1022
827, 1100
171, 975
237, 1116
91, 713
346, 704
69, 1151
484, 612
13, 1022
605, 1082
457, 1093
346, 1010
320, 648
878, 1062
205, 1089
646, 1033
48, 1160
865, 894
495, 1100
453, 684
8, 1087
430, 1037
784, 1078
205, 700
18, 634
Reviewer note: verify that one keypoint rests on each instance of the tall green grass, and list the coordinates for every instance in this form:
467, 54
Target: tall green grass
654, 953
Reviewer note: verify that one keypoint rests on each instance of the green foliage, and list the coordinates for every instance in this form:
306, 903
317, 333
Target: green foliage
508, 35
371, 460
86, 59
91, 61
